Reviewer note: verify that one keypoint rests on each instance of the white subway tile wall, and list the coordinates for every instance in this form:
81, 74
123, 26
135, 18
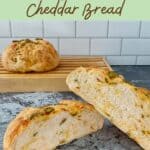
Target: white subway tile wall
143, 60
26, 28
105, 46
121, 42
91, 29
145, 29
59, 28
74, 46
136, 47
4, 29
124, 29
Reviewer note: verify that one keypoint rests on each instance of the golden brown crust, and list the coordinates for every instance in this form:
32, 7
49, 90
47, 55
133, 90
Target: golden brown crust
28, 115
30, 55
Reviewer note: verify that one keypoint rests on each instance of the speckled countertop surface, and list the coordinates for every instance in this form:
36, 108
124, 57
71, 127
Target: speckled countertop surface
109, 138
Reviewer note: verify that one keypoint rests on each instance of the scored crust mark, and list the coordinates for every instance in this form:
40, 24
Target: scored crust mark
51, 125
112, 74
30, 55
125, 105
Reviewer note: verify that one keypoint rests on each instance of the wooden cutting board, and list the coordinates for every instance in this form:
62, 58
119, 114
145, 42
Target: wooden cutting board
48, 81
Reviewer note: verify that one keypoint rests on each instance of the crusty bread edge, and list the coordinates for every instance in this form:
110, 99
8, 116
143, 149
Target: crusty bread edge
21, 122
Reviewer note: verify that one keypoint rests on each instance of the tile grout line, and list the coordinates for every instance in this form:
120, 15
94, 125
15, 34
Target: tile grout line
90, 46
107, 29
10, 28
128, 55
121, 46
121, 55
71, 37
43, 30
136, 60
75, 29
140, 27
58, 42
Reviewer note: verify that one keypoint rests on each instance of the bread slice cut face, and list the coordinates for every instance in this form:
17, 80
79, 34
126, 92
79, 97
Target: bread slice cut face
125, 105
47, 127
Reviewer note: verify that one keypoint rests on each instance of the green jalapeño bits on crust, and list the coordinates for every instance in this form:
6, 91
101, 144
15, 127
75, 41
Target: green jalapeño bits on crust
45, 111
14, 41
112, 74
38, 38
32, 56
147, 95
74, 113
28, 40
23, 40
48, 109
106, 80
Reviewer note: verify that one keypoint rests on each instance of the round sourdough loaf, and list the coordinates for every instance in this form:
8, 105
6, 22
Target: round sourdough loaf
30, 55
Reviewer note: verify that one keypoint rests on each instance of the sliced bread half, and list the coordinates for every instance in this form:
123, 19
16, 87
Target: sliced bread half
125, 105
47, 127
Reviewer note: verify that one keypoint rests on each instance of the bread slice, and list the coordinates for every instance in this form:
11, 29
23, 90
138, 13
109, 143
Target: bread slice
47, 127
125, 105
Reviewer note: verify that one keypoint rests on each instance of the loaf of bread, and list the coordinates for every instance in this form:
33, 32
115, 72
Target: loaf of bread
30, 55
125, 105
47, 127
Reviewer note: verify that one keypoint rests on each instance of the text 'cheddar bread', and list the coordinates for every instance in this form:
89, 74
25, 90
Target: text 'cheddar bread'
126, 106
30, 55
47, 127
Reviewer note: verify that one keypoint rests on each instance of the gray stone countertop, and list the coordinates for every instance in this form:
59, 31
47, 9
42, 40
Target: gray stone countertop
109, 138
